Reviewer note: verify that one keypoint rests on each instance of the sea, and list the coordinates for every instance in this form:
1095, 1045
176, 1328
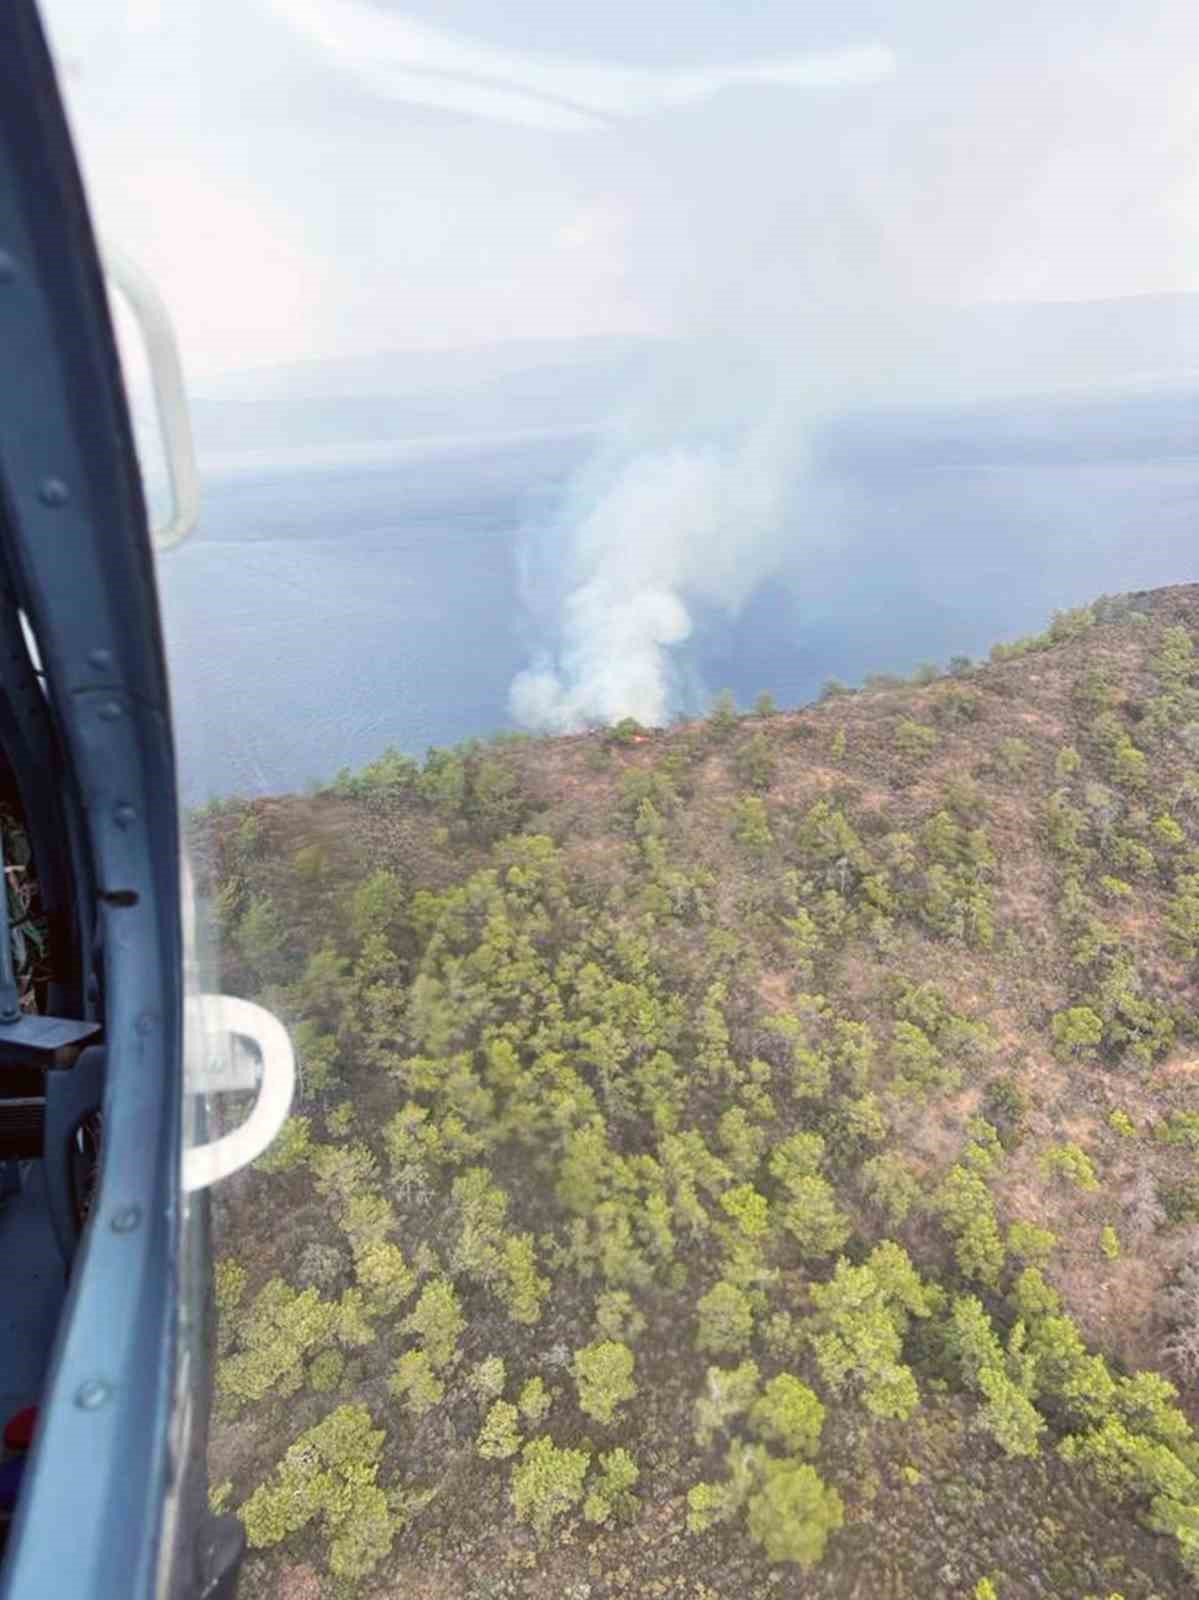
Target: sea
332, 604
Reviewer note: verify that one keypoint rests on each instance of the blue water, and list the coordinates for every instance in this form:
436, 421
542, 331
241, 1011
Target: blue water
320, 614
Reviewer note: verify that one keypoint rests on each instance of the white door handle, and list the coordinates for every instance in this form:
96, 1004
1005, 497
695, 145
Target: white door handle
170, 397
206, 1164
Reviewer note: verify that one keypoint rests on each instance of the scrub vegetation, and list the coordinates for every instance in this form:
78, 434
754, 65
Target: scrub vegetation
758, 1157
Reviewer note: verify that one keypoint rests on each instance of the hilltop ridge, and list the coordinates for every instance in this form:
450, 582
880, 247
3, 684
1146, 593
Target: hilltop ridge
737, 1158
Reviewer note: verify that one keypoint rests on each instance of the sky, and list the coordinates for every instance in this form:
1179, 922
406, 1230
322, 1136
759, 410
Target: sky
314, 178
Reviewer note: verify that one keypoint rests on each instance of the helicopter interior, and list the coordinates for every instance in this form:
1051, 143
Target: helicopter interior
51, 1068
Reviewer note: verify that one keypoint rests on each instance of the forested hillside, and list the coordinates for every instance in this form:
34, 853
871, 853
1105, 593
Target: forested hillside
754, 1158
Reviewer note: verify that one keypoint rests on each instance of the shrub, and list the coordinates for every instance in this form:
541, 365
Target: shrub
722, 718
329, 1472
1174, 661
968, 1214
603, 1374
892, 1185
1012, 756
813, 1218
956, 706
616, 1316
1114, 888
260, 938
1167, 832
383, 1275
612, 1494
325, 1371
522, 1289
316, 1060
862, 1314
1006, 1106
310, 863
708, 1503
1077, 1032
1179, 1128
414, 1380
1030, 1243
747, 1210
499, 1436
246, 841
277, 1333
793, 1513
1066, 763
229, 1285
788, 1414
751, 825
376, 907
920, 1068
534, 1401
754, 763
339, 1120
915, 741
627, 731
1008, 1414
1180, 1202
1070, 1163
726, 1319
1182, 916
742, 1142
391, 775
488, 1377
442, 782
547, 1483
437, 1321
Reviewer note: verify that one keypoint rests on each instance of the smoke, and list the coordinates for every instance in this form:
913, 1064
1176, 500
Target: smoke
670, 527
689, 504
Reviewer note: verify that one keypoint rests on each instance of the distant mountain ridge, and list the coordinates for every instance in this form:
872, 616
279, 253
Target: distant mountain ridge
414, 395
986, 352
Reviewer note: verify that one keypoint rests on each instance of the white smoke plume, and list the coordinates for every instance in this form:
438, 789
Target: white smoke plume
674, 526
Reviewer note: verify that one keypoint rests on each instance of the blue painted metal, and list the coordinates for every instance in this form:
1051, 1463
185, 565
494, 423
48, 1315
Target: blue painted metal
33, 1293
112, 1498
70, 1096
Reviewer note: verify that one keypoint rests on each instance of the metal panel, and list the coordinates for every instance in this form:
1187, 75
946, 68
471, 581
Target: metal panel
101, 1470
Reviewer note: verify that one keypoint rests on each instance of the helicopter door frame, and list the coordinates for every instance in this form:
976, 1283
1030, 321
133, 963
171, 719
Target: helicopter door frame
112, 1456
